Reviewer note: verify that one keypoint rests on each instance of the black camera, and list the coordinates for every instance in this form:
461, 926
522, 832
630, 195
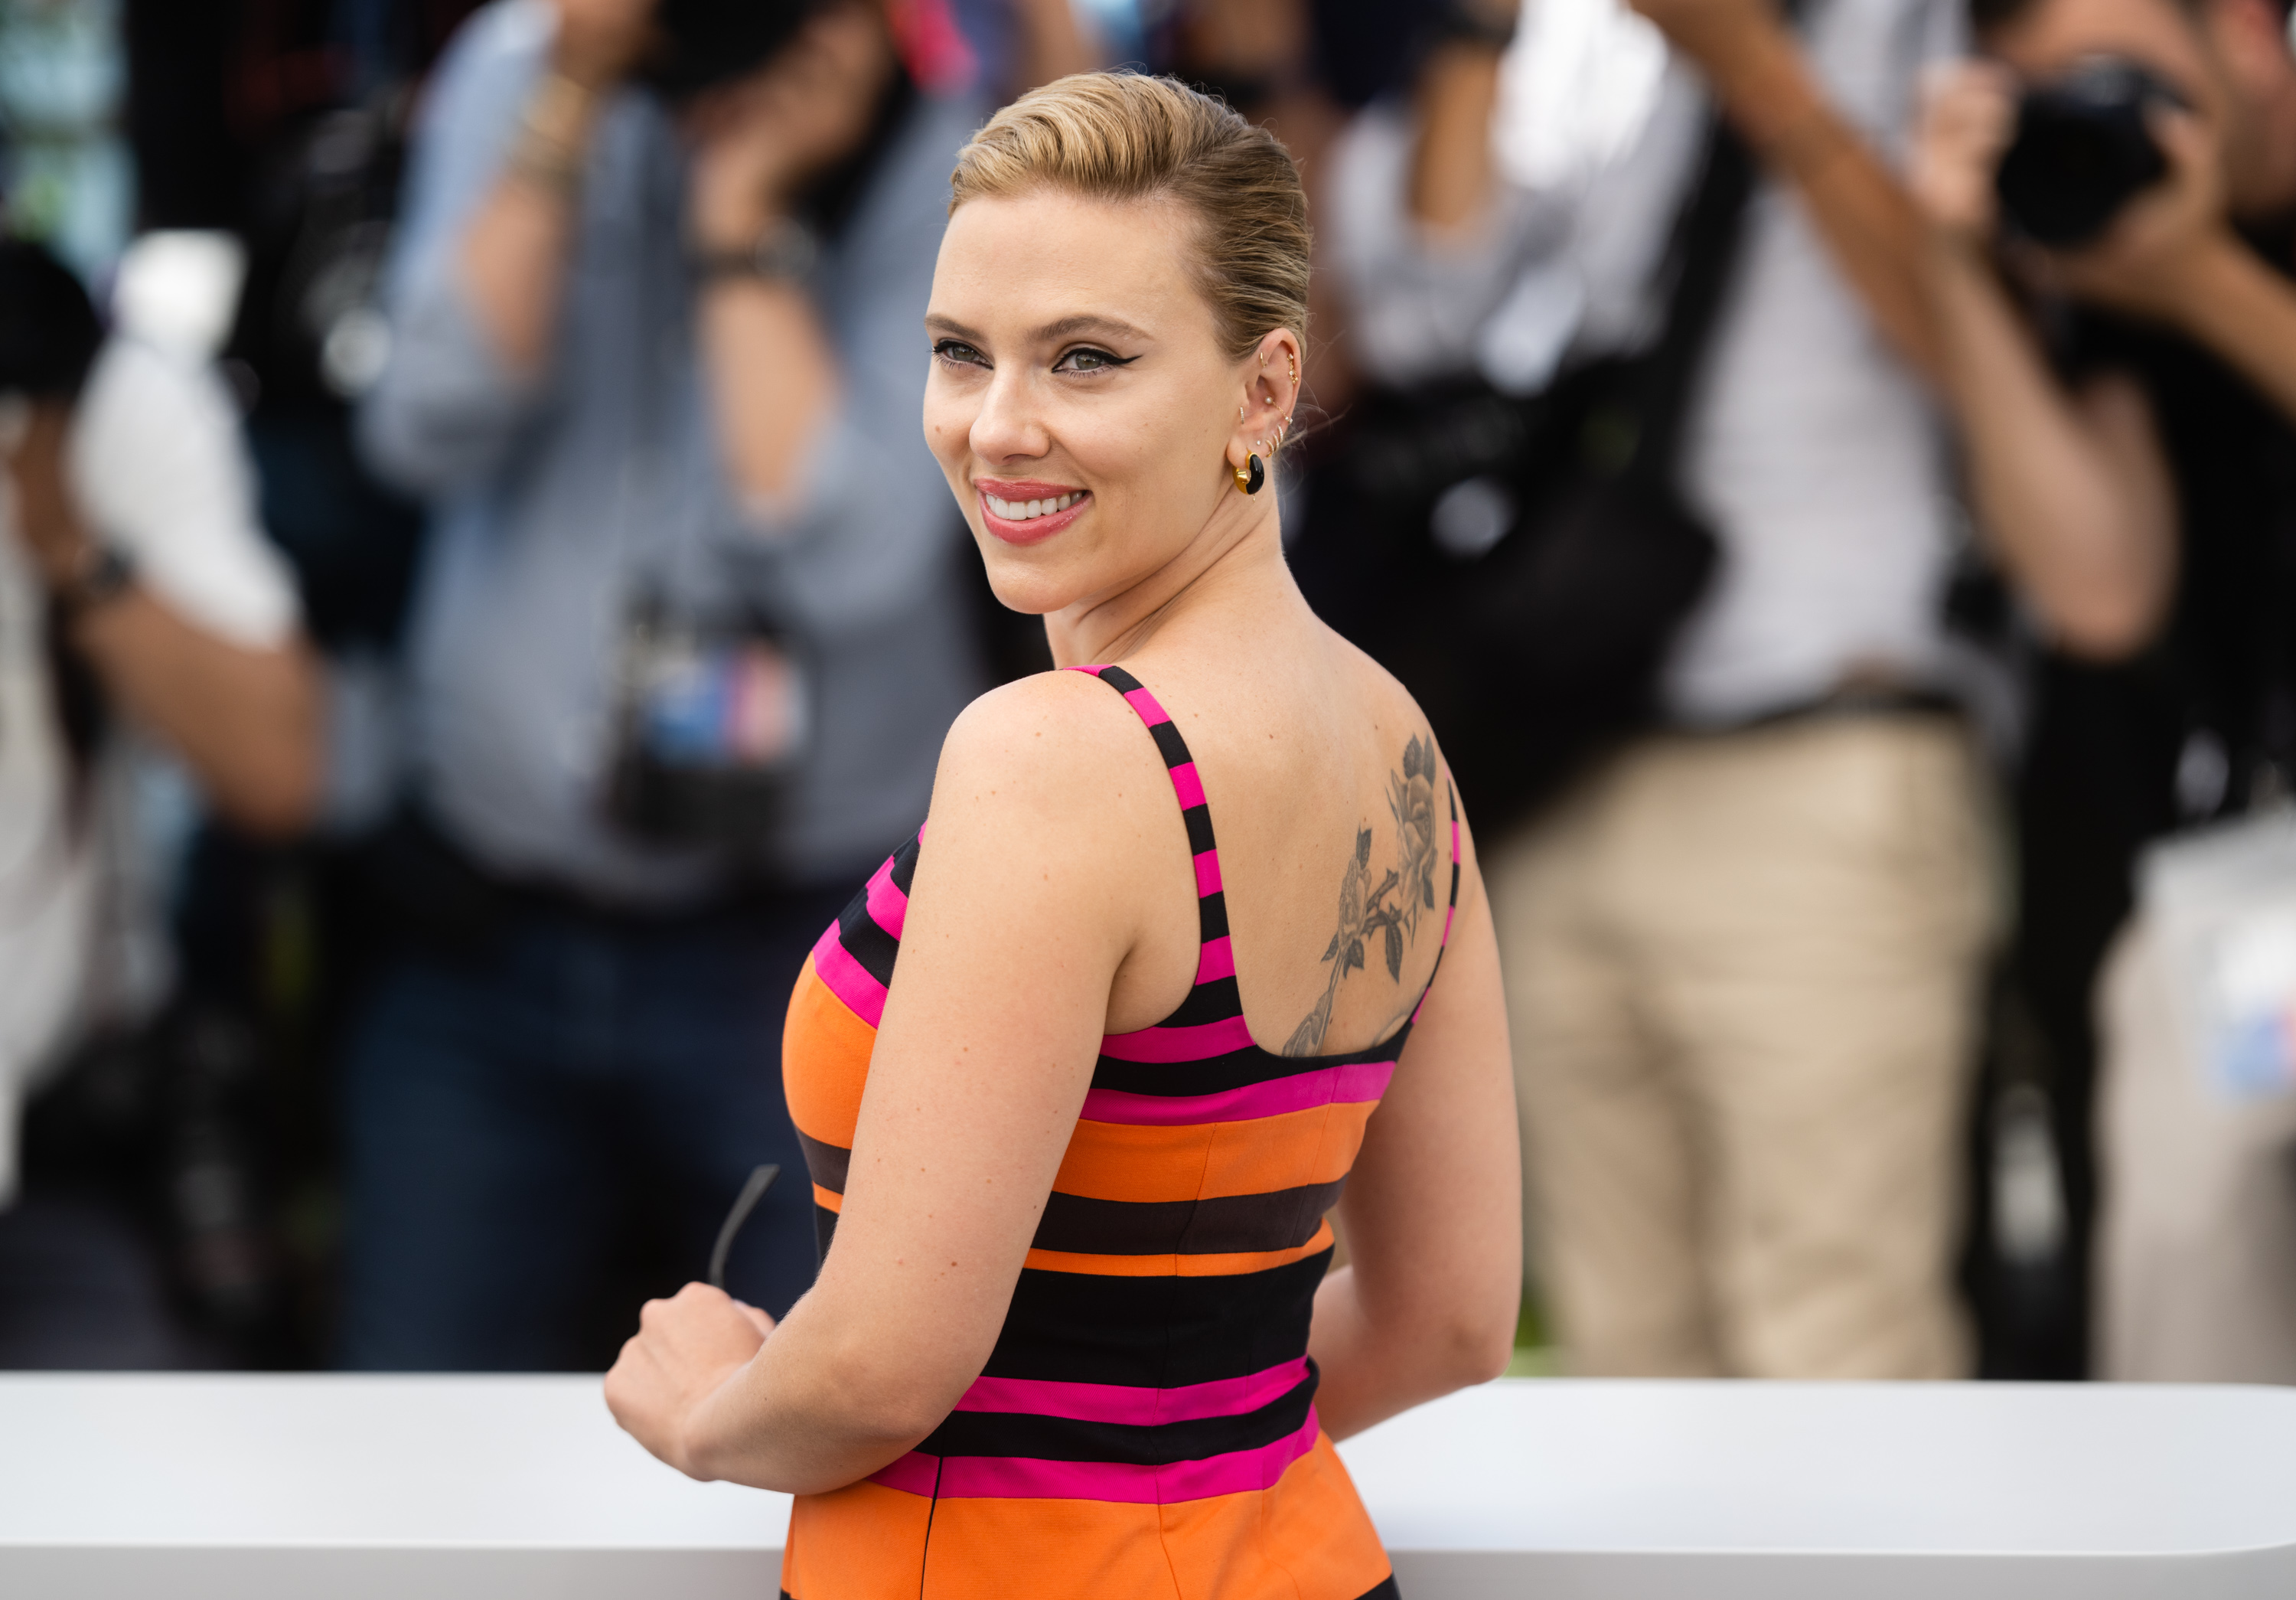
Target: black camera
2082, 151
701, 44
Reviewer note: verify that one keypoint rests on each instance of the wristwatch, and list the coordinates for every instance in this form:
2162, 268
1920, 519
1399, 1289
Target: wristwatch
786, 250
103, 576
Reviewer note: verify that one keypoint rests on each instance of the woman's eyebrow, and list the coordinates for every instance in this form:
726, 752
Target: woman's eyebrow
1067, 326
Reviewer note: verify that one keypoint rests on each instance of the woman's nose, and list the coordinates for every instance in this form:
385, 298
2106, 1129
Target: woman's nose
1008, 426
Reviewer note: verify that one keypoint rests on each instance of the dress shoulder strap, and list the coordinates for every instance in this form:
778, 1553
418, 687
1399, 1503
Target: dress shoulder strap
1215, 960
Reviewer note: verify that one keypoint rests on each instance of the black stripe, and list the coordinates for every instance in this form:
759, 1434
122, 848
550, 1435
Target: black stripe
1211, 1002
1234, 1070
1119, 679
1384, 1589
825, 1231
1168, 742
1152, 1444
1211, 917
1218, 1225
905, 864
1158, 1333
868, 944
825, 1163
1199, 819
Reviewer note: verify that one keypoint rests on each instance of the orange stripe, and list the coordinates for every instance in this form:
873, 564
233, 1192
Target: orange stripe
1303, 1538
1119, 1160
862, 1539
828, 1200
1178, 1265
824, 1060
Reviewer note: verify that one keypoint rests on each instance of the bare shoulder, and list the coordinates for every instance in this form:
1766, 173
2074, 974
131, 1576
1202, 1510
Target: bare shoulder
1056, 758
1053, 728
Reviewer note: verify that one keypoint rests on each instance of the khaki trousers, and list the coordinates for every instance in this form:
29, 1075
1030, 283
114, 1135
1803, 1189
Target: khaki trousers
2196, 1236
1742, 976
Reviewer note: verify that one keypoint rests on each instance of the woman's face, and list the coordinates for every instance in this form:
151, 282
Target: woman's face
1079, 401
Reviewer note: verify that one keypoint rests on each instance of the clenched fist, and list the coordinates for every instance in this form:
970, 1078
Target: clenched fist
687, 1348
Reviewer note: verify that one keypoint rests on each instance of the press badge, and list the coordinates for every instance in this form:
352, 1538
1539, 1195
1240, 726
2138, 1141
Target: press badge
2223, 899
712, 723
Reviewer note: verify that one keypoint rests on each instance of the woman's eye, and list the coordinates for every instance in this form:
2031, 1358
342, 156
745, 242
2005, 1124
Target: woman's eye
1088, 361
960, 352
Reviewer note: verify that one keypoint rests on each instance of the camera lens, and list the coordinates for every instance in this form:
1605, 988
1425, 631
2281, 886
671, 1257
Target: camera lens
2082, 151
705, 43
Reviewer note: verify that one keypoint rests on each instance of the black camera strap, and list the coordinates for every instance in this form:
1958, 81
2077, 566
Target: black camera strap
1697, 268
1701, 255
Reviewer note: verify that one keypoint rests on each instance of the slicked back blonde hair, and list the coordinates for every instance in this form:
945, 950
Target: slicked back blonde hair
1118, 136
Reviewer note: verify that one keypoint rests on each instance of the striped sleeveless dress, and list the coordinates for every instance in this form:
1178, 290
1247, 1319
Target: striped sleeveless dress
1145, 1427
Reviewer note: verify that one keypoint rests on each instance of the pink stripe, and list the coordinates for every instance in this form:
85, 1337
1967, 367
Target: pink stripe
1145, 704
1179, 1044
847, 979
1216, 960
1207, 874
888, 906
911, 1474
1189, 784
1026, 1478
1354, 1084
1139, 1407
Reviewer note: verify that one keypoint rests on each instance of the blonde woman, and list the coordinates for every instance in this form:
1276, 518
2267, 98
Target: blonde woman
1075, 1156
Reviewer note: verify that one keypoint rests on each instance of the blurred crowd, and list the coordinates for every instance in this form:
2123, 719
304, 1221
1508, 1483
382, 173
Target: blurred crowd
475, 601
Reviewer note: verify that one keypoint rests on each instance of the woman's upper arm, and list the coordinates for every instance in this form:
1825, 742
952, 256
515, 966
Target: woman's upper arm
1432, 1212
1016, 923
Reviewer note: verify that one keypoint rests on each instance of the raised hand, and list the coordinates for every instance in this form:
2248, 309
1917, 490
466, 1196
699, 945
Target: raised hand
756, 141
598, 40
1968, 115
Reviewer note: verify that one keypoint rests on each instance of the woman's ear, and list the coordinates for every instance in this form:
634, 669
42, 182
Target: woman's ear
1271, 392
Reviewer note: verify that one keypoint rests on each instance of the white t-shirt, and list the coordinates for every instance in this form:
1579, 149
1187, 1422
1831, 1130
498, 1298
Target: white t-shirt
1814, 453
159, 472
161, 475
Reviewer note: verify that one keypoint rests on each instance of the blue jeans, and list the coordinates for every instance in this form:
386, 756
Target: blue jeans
505, 1115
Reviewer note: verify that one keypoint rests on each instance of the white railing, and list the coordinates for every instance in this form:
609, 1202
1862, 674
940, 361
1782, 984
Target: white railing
506, 1488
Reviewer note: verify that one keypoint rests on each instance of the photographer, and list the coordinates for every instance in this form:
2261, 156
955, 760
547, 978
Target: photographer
1744, 948
149, 634
689, 631
2121, 348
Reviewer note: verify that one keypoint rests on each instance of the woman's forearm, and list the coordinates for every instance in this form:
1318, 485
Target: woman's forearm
1371, 1370
811, 1411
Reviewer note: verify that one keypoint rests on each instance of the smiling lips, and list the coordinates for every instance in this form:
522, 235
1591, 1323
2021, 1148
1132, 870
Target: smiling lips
1026, 514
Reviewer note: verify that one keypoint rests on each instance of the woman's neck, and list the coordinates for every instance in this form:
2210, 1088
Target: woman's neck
1235, 562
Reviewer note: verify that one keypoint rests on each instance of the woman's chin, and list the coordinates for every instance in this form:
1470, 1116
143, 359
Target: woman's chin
1019, 589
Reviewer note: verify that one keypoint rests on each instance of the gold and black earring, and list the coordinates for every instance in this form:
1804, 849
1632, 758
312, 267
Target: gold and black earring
1251, 476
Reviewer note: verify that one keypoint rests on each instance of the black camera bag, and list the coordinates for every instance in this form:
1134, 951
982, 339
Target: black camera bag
1534, 656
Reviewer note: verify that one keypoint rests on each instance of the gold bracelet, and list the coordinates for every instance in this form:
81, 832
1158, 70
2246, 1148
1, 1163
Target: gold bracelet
546, 166
552, 149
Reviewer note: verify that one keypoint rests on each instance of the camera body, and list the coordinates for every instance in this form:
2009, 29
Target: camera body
701, 44
2082, 151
